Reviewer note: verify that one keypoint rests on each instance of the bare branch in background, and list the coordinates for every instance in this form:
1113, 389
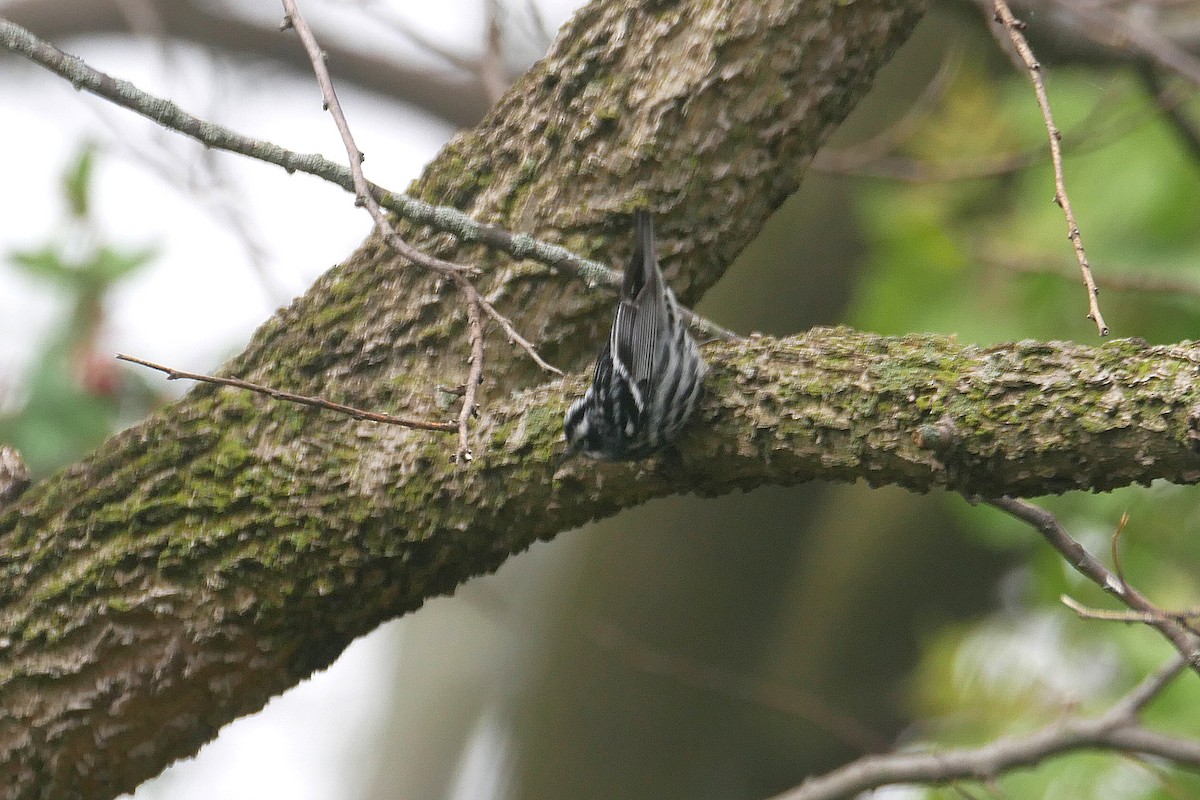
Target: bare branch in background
1178, 633
204, 178
207, 181
1118, 729
453, 97
142, 17
538, 23
1127, 31
1100, 128
489, 68
1126, 280
852, 158
1187, 128
784, 698
379, 12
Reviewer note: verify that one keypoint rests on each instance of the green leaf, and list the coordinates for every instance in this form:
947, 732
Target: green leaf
110, 265
77, 181
47, 262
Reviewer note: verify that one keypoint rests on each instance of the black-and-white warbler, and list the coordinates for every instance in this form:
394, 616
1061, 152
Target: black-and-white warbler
649, 374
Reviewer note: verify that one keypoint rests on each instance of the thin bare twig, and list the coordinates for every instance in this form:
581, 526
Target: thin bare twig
470, 402
513, 336
366, 197
304, 400
1013, 28
363, 193
1144, 617
1114, 546
519, 246
1184, 640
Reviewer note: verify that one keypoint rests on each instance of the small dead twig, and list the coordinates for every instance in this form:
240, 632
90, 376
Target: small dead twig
300, 399
1013, 28
470, 404
1180, 634
1114, 545
1144, 617
513, 336
365, 196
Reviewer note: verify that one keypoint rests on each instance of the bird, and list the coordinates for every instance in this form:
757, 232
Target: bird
649, 376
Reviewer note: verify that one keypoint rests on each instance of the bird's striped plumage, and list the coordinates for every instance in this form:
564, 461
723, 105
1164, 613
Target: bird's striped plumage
649, 375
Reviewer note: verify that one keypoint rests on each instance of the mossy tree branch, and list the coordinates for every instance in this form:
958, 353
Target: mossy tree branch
196, 572
219, 552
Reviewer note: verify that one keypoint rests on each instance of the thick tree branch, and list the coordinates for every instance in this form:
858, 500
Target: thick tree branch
272, 535
221, 551
218, 553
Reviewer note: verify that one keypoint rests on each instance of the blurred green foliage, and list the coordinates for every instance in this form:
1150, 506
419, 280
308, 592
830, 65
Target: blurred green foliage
74, 397
987, 259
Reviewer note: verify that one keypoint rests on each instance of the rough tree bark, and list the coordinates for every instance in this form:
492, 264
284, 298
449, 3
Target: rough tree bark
221, 551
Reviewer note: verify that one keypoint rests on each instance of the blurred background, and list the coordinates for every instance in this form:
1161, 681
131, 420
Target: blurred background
690, 648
